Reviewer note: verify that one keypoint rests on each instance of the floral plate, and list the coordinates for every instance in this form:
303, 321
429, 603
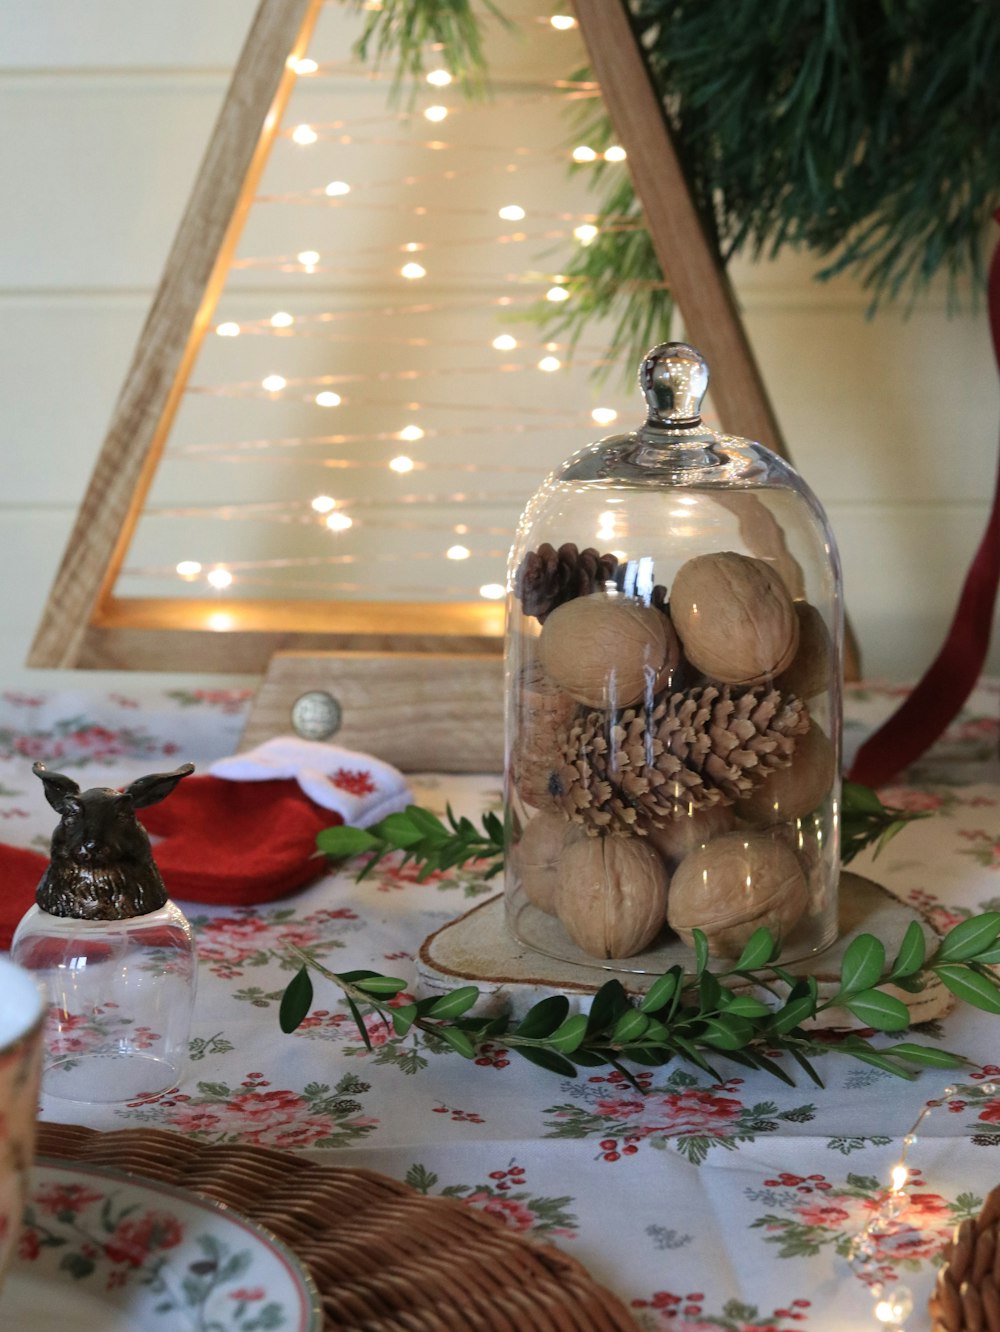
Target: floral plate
106, 1252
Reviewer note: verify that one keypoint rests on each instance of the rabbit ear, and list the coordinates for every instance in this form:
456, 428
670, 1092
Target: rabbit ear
58, 788
156, 787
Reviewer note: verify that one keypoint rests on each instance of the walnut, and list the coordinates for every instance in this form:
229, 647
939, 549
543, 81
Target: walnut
734, 885
734, 617
611, 895
536, 857
796, 790
542, 714
675, 837
609, 651
811, 667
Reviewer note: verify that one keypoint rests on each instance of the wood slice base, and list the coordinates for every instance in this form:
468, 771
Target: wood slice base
479, 949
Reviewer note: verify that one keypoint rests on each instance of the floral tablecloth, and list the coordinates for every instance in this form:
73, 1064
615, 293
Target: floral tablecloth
703, 1205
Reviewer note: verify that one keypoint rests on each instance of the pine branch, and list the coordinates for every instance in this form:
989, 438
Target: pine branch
697, 1018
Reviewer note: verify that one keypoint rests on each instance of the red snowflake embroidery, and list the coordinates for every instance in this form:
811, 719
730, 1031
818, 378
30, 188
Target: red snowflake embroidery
354, 783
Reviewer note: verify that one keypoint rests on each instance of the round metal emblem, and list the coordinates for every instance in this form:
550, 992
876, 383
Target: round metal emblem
316, 715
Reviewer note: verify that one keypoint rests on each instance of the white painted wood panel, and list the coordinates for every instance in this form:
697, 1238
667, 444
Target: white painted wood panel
893, 421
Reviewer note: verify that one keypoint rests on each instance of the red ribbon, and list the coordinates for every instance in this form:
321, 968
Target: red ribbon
949, 680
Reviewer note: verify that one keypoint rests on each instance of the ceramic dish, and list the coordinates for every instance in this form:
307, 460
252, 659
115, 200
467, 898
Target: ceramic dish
106, 1252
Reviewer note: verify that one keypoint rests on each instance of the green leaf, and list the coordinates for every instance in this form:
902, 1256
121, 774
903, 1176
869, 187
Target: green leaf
403, 1018
794, 1012
338, 843
928, 1056
879, 1010
804, 1064
458, 1040
359, 1023
568, 1037
709, 992
659, 993
968, 939
629, 1027
607, 1005
381, 985
456, 1003
426, 823
700, 941
863, 964
727, 1033
744, 1005
859, 799
970, 987
547, 1059
544, 1018
296, 1001
398, 830
760, 949
912, 952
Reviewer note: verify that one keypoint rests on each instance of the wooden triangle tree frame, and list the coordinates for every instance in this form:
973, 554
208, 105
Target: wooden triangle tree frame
85, 625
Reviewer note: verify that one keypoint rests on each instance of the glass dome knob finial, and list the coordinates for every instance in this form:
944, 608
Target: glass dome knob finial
673, 378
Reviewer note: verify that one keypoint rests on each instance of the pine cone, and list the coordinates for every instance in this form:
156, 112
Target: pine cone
966, 1297
704, 747
547, 577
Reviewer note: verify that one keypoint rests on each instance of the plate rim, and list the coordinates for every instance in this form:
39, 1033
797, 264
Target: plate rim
312, 1303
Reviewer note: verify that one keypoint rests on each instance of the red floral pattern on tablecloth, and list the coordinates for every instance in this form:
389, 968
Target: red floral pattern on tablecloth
588, 1149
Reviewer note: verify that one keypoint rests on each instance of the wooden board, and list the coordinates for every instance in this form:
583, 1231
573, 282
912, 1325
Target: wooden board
479, 949
416, 711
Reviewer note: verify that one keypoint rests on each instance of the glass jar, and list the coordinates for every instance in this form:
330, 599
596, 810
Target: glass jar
673, 710
120, 995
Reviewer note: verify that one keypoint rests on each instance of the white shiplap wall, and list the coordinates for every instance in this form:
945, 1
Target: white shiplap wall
107, 107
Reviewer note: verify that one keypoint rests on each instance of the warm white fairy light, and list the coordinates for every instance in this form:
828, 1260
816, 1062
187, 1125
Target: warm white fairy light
511, 212
492, 591
324, 503
458, 552
228, 330
189, 568
339, 522
435, 113
584, 154
892, 1308
327, 399
401, 464
304, 65
274, 383
439, 78
282, 319
219, 577
412, 272
504, 342
549, 364
562, 22
557, 294
604, 415
615, 153
304, 135
586, 233
308, 257
337, 188
411, 432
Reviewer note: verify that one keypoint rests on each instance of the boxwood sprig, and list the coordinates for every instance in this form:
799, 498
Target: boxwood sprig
694, 1016
423, 838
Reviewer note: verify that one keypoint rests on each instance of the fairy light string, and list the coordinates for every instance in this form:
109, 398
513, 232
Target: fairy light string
438, 130
893, 1305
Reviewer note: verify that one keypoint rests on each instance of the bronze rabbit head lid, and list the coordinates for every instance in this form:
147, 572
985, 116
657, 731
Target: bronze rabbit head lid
102, 865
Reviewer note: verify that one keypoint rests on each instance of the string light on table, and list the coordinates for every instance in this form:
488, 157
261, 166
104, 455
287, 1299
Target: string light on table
894, 1306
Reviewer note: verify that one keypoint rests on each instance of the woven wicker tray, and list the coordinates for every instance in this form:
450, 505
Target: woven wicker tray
384, 1257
